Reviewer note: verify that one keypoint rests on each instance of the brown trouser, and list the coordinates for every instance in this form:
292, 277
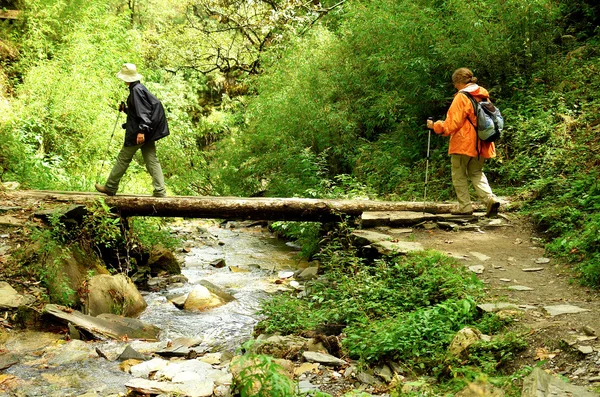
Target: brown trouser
463, 169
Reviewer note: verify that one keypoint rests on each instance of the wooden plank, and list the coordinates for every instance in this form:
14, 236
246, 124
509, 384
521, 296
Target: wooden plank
234, 208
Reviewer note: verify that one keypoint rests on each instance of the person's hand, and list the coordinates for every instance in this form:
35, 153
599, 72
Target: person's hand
430, 124
141, 138
122, 106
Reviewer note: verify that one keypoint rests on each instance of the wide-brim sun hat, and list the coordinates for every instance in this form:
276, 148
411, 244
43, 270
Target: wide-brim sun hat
129, 73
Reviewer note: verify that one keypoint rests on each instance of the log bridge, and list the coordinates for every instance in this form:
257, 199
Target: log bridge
228, 208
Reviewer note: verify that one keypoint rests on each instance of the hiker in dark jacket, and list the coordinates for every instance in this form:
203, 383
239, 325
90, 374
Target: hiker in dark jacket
146, 123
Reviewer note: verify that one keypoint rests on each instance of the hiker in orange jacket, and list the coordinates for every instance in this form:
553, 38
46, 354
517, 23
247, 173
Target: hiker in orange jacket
467, 152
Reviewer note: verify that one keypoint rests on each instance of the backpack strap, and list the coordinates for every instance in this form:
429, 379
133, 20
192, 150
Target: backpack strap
475, 106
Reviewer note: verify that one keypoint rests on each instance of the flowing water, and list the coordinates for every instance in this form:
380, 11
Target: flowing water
49, 366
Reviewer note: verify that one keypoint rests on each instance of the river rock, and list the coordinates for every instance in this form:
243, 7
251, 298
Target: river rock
216, 290
287, 347
194, 370
541, 384
105, 325
74, 351
384, 372
308, 274
131, 354
462, 340
218, 263
323, 358
178, 300
113, 294
7, 360
201, 299
10, 298
163, 260
144, 369
191, 389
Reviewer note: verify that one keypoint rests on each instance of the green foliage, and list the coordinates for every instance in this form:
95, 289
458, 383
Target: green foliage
287, 316
101, 227
490, 355
417, 338
261, 376
306, 234
403, 307
353, 100
46, 262
152, 232
557, 162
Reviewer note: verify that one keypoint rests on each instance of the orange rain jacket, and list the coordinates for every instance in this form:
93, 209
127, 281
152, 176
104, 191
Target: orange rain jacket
463, 137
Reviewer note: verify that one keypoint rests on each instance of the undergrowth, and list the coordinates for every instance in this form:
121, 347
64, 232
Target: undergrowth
403, 309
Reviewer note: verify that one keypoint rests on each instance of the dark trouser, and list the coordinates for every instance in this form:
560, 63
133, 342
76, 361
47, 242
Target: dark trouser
152, 165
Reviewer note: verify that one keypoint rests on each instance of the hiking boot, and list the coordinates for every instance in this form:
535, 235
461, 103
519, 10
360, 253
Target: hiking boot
103, 189
492, 208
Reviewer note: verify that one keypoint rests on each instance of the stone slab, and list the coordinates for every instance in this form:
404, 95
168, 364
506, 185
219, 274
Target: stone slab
564, 309
400, 247
541, 384
366, 237
520, 288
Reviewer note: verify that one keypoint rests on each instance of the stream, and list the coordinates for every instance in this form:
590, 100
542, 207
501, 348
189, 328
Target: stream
50, 366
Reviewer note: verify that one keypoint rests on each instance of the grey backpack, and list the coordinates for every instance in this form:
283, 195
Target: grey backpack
489, 119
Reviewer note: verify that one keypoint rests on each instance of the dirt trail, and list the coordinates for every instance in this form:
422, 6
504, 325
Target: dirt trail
504, 252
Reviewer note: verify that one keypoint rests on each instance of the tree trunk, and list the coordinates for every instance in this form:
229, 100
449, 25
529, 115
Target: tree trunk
255, 208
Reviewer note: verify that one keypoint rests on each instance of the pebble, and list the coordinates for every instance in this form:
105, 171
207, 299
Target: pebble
533, 269
541, 261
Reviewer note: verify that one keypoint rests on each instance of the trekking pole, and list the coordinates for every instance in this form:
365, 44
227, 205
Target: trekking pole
108, 147
427, 166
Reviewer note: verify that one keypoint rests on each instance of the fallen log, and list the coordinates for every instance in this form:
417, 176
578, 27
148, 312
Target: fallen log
234, 208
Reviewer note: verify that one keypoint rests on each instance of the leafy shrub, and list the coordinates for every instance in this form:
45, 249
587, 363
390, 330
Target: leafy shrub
151, 232
306, 234
260, 376
418, 338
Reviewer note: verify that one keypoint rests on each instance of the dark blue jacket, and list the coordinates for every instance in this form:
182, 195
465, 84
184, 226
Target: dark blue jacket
145, 113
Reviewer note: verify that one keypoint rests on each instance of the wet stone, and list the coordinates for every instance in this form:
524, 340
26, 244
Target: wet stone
7, 361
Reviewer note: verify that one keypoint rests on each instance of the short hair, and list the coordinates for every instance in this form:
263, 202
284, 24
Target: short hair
463, 76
